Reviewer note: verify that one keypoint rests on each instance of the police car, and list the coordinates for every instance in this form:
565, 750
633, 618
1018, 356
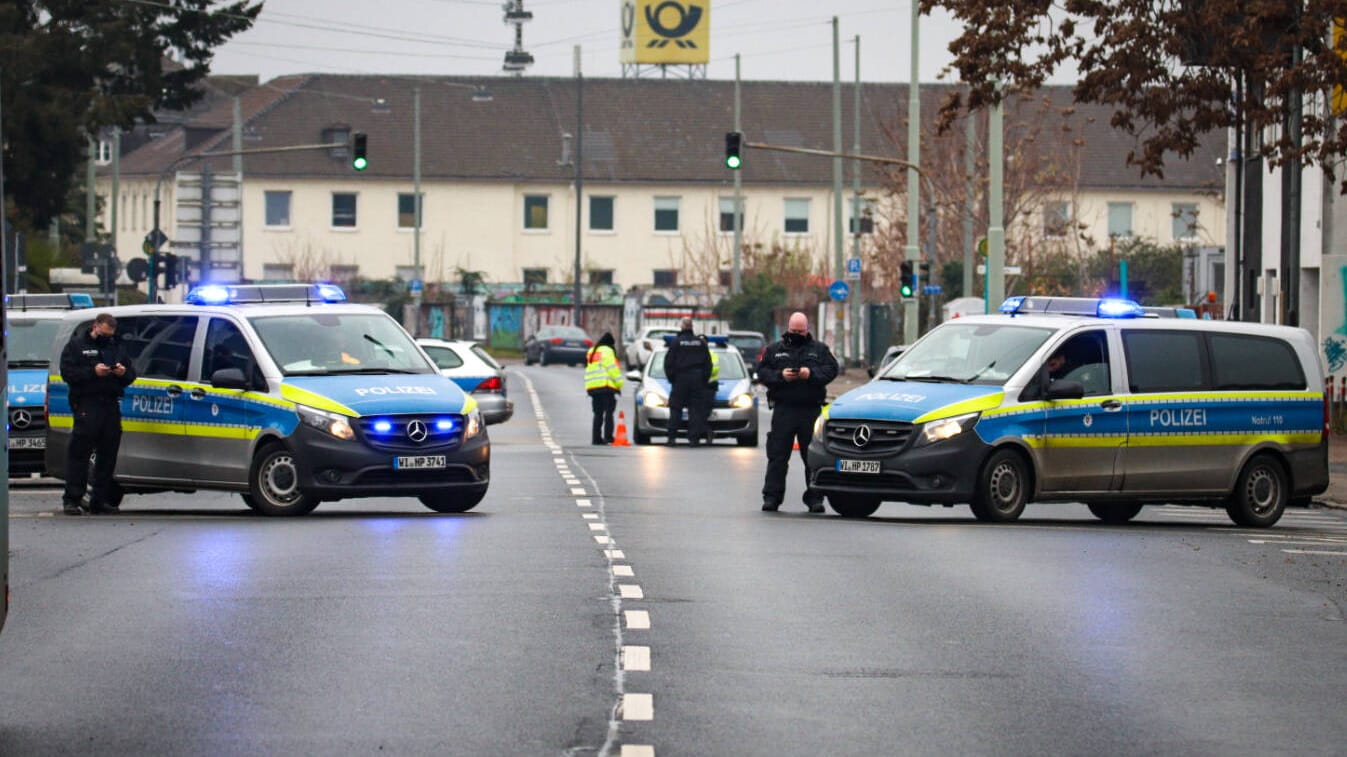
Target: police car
1083, 400
734, 410
288, 395
32, 321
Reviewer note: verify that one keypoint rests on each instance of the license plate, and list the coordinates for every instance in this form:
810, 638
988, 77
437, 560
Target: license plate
857, 466
28, 442
415, 462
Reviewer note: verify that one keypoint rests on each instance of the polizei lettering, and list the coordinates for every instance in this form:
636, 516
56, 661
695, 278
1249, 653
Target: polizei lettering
379, 391
141, 403
1179, 417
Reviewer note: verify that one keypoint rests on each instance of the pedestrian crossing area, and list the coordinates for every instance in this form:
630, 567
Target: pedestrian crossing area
1299, 532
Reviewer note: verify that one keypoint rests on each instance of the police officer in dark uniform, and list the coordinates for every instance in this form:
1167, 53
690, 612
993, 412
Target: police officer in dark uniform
796, 371
687, 364
97, 370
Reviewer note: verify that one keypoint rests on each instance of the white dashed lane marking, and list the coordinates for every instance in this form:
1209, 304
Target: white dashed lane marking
614, 554
638, 706
637, 620
637, 750
635, 658
630, 591
1313, 552
623, 570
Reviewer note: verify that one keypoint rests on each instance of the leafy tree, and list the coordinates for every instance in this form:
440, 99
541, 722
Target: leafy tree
1131, 54
753, 307
69, 68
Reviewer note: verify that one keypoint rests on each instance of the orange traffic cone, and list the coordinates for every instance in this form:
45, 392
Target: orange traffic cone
796, 446
620, 436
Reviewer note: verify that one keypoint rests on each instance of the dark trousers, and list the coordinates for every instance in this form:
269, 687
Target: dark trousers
685, 395
98, 432
788, 424
706, 402
604, 404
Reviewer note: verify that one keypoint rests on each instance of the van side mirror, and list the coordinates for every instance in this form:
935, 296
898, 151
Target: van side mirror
229, 378
1065, 390
633, 375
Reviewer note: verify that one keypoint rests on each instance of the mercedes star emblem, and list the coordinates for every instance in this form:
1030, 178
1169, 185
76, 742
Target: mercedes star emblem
862, 435
20, 419
417, 431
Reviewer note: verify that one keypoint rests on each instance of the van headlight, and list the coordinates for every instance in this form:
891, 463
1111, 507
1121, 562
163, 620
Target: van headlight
946, 428
331, 423
654, 399
472, 424
741, 401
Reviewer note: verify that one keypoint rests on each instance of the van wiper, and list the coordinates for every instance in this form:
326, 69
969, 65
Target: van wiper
932, 379
378, 344
345, 371
28, 363
978, 375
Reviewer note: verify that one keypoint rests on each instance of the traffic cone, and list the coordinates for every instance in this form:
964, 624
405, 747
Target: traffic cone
620, 436
796, 446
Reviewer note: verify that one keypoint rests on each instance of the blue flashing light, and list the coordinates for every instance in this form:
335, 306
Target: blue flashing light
445, 424
81, 300
1012, 305
383, 427
1185, 313
209, 294
331, 293
1115, 308
217, 294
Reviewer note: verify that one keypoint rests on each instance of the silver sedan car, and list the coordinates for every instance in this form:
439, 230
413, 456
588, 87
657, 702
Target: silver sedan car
734, 412
475, 372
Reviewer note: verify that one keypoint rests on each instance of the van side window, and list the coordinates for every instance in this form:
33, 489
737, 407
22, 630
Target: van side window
1164, 361
1245, 361
160, 345
1084, 359
227, 347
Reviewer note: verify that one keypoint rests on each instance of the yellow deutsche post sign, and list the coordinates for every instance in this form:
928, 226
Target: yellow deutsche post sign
666, 31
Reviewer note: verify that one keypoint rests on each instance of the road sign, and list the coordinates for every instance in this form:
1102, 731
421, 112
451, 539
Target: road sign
982, 247
155, 238
931, 289
853, 269
839, 291
1010, 270
414, 285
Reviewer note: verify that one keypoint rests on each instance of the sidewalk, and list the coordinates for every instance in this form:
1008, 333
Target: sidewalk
1335, 497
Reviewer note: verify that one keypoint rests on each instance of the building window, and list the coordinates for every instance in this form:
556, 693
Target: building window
535, 276
278, 272
104, 154
666, 277
727, 214
1185, 221
277, 208
1120, 219
335, 134
601, 278
1056, 219
797, 215
726, 278
666, 214
600, 213
343, 272
407, 210
343, 210
867, 218
535, 212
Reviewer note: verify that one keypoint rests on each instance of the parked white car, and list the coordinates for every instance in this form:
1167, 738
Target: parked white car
650, 339
476, 373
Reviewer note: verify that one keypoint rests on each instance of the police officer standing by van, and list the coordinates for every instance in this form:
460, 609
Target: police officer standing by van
97, 370
796, 371
687, 364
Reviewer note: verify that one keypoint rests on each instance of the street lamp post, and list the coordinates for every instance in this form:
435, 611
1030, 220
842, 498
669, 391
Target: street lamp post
417, 282
579, 172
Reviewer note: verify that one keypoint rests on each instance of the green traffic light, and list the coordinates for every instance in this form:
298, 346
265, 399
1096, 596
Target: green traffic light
733, 161
906, 290
360, 164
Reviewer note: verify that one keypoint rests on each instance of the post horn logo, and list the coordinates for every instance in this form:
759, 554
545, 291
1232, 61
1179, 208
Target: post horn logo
688, 18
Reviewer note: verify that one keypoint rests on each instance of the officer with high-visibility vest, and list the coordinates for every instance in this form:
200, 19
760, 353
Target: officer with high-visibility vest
603, 382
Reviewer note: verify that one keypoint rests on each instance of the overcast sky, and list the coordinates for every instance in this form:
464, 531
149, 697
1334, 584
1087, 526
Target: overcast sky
776, 39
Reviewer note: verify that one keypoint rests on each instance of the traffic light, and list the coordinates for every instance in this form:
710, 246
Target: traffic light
168, 264
905, 282
924, 273
734, 142
358, 159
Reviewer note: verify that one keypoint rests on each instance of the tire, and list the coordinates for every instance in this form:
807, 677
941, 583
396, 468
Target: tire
249, 501
453, 502
1003, 487
528, 358
274, 484
747, 440
1261, 493
853, 505
636, 436
542, 357
1114, 513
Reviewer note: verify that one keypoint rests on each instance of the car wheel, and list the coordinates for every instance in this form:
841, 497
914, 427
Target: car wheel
853, 505
637, 437
747, 440
542, 357
274, 484
1114, 513
1002, 488
1260, 495
528, 358
452, 502
249, 501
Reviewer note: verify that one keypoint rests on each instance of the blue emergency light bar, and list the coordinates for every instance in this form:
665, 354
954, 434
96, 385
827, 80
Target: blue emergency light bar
253, 294
1097, 307
711, 341
49, 301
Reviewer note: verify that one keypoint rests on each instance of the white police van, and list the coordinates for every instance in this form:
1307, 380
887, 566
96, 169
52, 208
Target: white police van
286, 394
32, 321
1083, 400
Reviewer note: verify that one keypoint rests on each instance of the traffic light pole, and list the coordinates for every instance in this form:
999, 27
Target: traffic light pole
158, 234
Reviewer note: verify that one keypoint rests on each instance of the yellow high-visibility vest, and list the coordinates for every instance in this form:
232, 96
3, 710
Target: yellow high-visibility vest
602, 371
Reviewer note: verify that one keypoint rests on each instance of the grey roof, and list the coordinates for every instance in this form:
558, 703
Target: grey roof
636, 130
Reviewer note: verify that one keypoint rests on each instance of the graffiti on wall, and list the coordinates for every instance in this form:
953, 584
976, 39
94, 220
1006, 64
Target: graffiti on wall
506, 326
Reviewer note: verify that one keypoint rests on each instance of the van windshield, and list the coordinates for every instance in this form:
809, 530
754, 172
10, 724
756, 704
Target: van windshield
968, 353
332, 343
30, 341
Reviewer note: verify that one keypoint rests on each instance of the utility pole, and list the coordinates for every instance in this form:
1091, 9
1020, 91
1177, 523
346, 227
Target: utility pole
840, 340
110, 284
90, 198
579, 175
912, 253
736, 280
969, 166
856, 309
996, 233
418, 281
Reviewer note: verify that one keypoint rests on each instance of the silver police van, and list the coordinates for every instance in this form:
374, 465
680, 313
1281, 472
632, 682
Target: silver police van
286, 394
1083, 400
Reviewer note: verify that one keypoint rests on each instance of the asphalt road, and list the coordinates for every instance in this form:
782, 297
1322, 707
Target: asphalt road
635, 601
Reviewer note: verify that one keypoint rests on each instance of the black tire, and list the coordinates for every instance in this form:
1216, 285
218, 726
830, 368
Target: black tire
1261, 493
1003, 487
528, 358
248, 500
542, 357
452, 502
274, 484
747, 440
853, 505
1114, 513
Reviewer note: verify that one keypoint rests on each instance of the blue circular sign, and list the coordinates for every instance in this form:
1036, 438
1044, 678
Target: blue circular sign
839, 291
